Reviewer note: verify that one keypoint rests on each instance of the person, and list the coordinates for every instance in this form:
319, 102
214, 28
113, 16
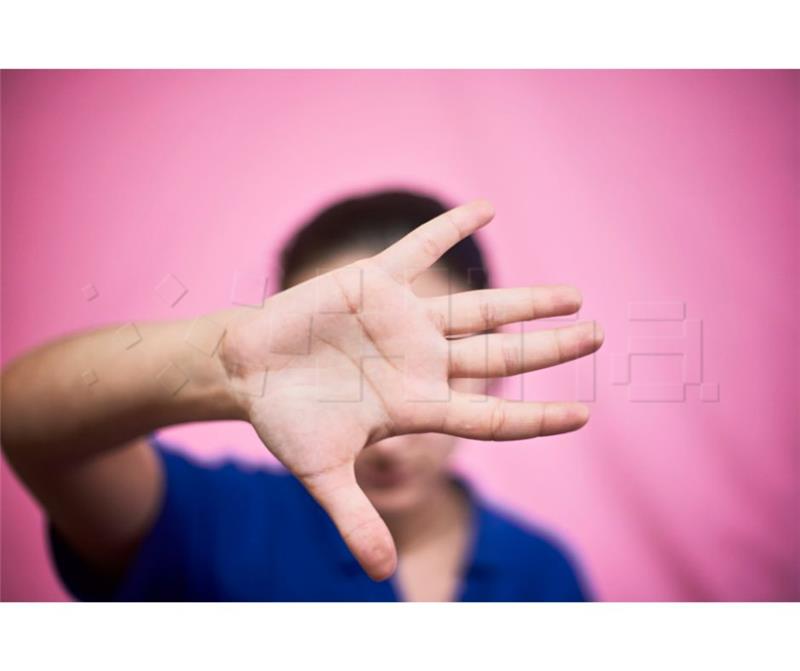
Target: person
359, 376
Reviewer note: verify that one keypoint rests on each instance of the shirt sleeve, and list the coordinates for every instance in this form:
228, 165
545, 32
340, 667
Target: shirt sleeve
172, 561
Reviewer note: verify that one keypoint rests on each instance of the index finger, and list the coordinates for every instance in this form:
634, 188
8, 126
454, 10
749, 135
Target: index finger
424, 246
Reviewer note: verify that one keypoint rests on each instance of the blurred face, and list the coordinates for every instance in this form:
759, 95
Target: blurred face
401, 473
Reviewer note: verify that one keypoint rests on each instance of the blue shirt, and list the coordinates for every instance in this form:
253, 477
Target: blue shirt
228, 533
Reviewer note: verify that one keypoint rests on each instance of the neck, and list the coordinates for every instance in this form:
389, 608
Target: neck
445, 510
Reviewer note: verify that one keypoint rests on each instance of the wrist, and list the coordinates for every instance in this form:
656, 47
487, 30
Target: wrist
191, 371
235, 380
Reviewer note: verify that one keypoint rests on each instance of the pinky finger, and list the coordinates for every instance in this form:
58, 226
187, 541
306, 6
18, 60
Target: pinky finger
491, 418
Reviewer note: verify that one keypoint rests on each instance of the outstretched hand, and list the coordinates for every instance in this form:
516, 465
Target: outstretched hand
354, 356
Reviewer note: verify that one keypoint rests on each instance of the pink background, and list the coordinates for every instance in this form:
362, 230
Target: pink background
635, 186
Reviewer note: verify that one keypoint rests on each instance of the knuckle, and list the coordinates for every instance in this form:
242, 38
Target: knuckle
558, 347
451, 220
373, 548
429, 246
498, 419
439, 319
511, 358
379, 555
533, 303
488, 314
541, 422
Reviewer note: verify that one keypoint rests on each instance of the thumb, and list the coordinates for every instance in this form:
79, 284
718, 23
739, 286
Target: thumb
362, 529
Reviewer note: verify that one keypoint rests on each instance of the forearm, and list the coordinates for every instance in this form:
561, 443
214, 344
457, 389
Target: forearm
93, 391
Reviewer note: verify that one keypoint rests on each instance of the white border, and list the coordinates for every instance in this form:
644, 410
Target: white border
393, 636
414, 33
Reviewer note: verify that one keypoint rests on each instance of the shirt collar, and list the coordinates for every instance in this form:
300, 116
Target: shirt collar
483, 554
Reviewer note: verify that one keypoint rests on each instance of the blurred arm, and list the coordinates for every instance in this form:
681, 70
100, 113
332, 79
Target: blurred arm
75, 411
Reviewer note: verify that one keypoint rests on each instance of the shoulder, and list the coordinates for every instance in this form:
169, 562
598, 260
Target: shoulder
226, 487
526, 541
536, 559
178, 463
234, 507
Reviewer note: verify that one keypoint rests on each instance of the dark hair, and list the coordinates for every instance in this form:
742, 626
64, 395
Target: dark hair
374, 221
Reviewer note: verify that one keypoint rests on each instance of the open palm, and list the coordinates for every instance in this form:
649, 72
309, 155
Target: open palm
354, 356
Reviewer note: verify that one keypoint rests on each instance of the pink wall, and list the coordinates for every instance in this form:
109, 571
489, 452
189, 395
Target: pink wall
635, 186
